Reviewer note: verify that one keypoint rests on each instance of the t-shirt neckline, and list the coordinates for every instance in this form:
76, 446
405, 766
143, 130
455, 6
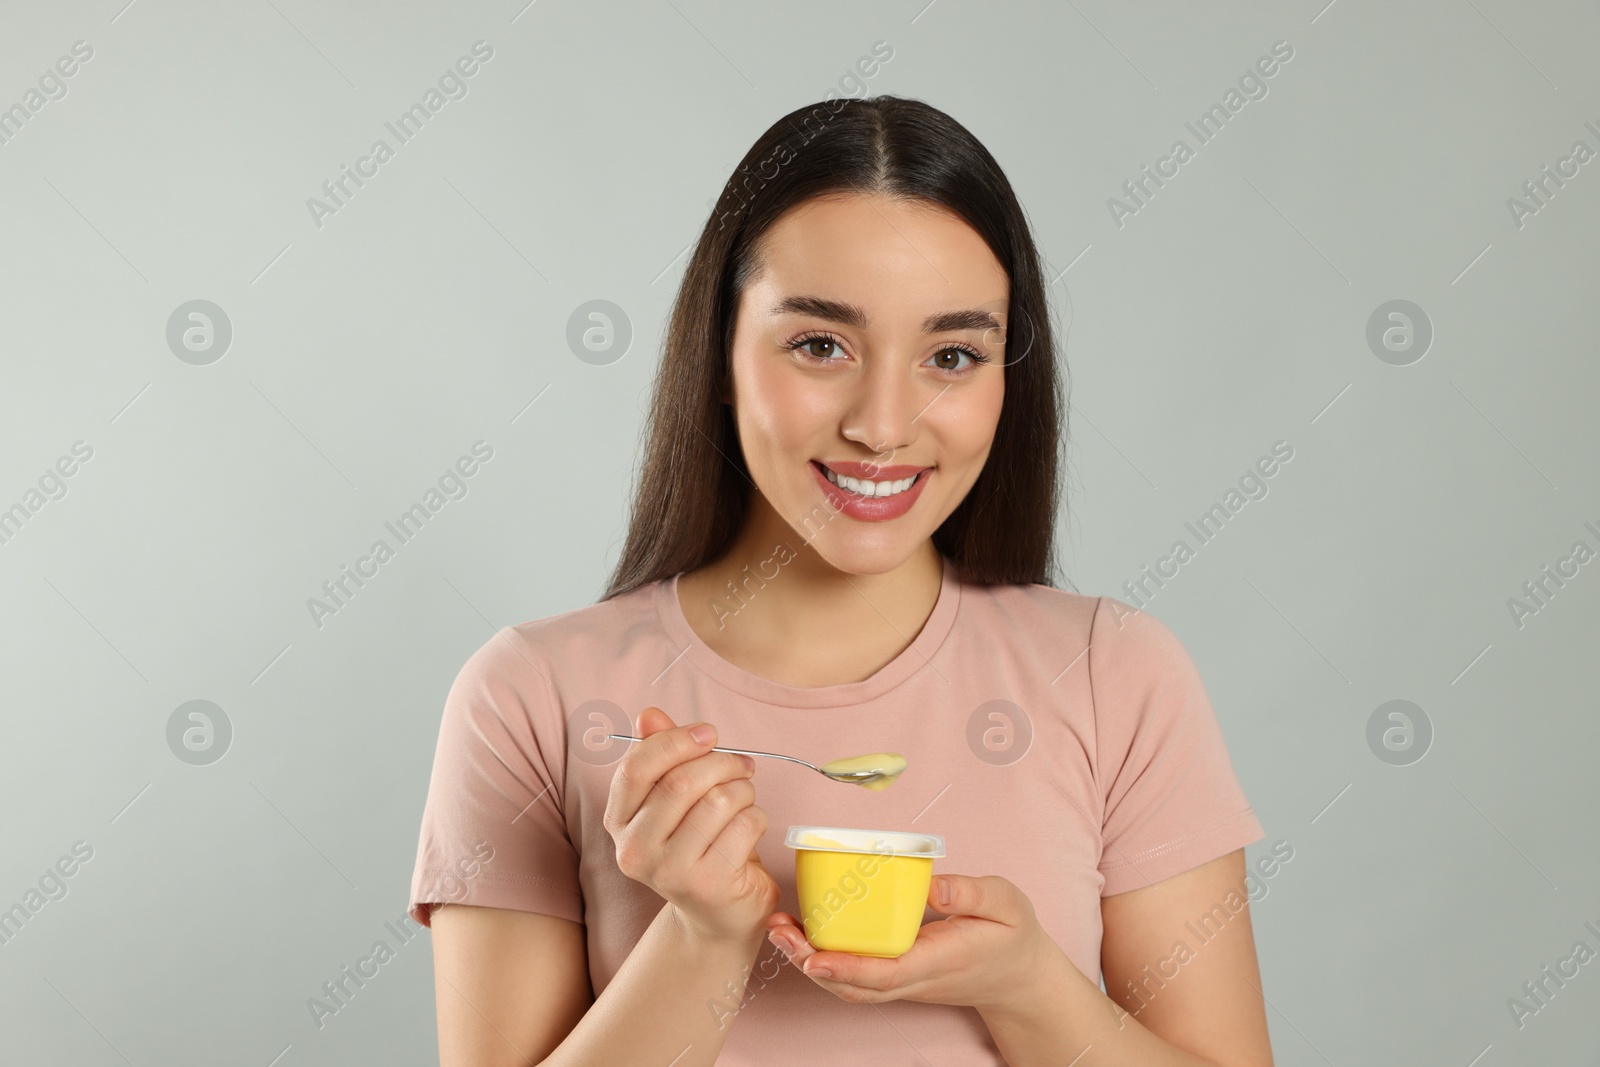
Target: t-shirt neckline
913, 658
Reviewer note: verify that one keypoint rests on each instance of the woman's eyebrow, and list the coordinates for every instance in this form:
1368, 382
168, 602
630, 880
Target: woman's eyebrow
853, 315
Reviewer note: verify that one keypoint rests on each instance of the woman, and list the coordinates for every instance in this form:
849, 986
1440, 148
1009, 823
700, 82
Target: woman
842, 543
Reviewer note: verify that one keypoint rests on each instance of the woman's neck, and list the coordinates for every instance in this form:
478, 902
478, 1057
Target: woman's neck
772, 605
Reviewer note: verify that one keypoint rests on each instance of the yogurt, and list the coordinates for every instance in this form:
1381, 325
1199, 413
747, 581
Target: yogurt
862, 891
889, 764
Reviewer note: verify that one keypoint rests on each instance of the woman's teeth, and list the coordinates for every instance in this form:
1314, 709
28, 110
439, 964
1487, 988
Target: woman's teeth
866, 488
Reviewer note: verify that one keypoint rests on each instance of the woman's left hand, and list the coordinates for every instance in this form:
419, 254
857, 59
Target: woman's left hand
983, 954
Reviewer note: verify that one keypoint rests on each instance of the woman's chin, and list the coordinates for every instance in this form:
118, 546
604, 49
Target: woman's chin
866, 555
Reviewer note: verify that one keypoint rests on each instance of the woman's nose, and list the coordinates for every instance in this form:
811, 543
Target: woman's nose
884, 408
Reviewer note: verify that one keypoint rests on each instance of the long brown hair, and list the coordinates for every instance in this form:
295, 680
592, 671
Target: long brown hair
694, 485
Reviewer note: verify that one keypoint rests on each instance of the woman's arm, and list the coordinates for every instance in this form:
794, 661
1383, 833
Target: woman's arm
1179, 1001
685, 824
672, 1001
513, 989
509, 985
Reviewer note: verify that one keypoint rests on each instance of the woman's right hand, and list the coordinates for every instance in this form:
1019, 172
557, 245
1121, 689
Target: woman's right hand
686, 823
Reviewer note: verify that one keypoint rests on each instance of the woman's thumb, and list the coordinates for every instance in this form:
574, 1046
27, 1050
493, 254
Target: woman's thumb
958, 894
987, 896
653, 720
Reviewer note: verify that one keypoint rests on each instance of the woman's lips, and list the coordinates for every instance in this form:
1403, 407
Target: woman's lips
872, 508
872, 472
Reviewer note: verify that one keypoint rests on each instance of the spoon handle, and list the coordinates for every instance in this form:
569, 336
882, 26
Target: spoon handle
735, 751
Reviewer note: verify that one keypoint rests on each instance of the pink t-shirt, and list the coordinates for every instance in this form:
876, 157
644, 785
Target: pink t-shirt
1061, 741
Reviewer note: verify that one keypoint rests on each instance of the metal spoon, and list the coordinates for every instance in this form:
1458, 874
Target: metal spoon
861, 777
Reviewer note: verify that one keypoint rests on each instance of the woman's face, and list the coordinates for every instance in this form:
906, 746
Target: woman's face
871, 345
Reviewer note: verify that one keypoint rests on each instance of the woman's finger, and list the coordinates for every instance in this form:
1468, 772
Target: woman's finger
676, 794
646, 763
737, 839
699, 827
792, 941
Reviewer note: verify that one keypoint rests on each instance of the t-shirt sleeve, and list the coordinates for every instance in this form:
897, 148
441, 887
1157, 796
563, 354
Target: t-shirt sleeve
494, 832
1171, 799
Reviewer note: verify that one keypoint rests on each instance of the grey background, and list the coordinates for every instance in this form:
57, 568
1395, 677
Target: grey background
432, 310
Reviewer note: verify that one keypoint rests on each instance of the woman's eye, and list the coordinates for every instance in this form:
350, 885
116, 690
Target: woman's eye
827, 348
955, 355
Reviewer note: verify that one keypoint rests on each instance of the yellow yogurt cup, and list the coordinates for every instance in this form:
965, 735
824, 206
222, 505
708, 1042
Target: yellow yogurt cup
862, 891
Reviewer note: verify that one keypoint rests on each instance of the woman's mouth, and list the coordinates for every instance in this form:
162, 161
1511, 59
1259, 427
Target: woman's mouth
888, 494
